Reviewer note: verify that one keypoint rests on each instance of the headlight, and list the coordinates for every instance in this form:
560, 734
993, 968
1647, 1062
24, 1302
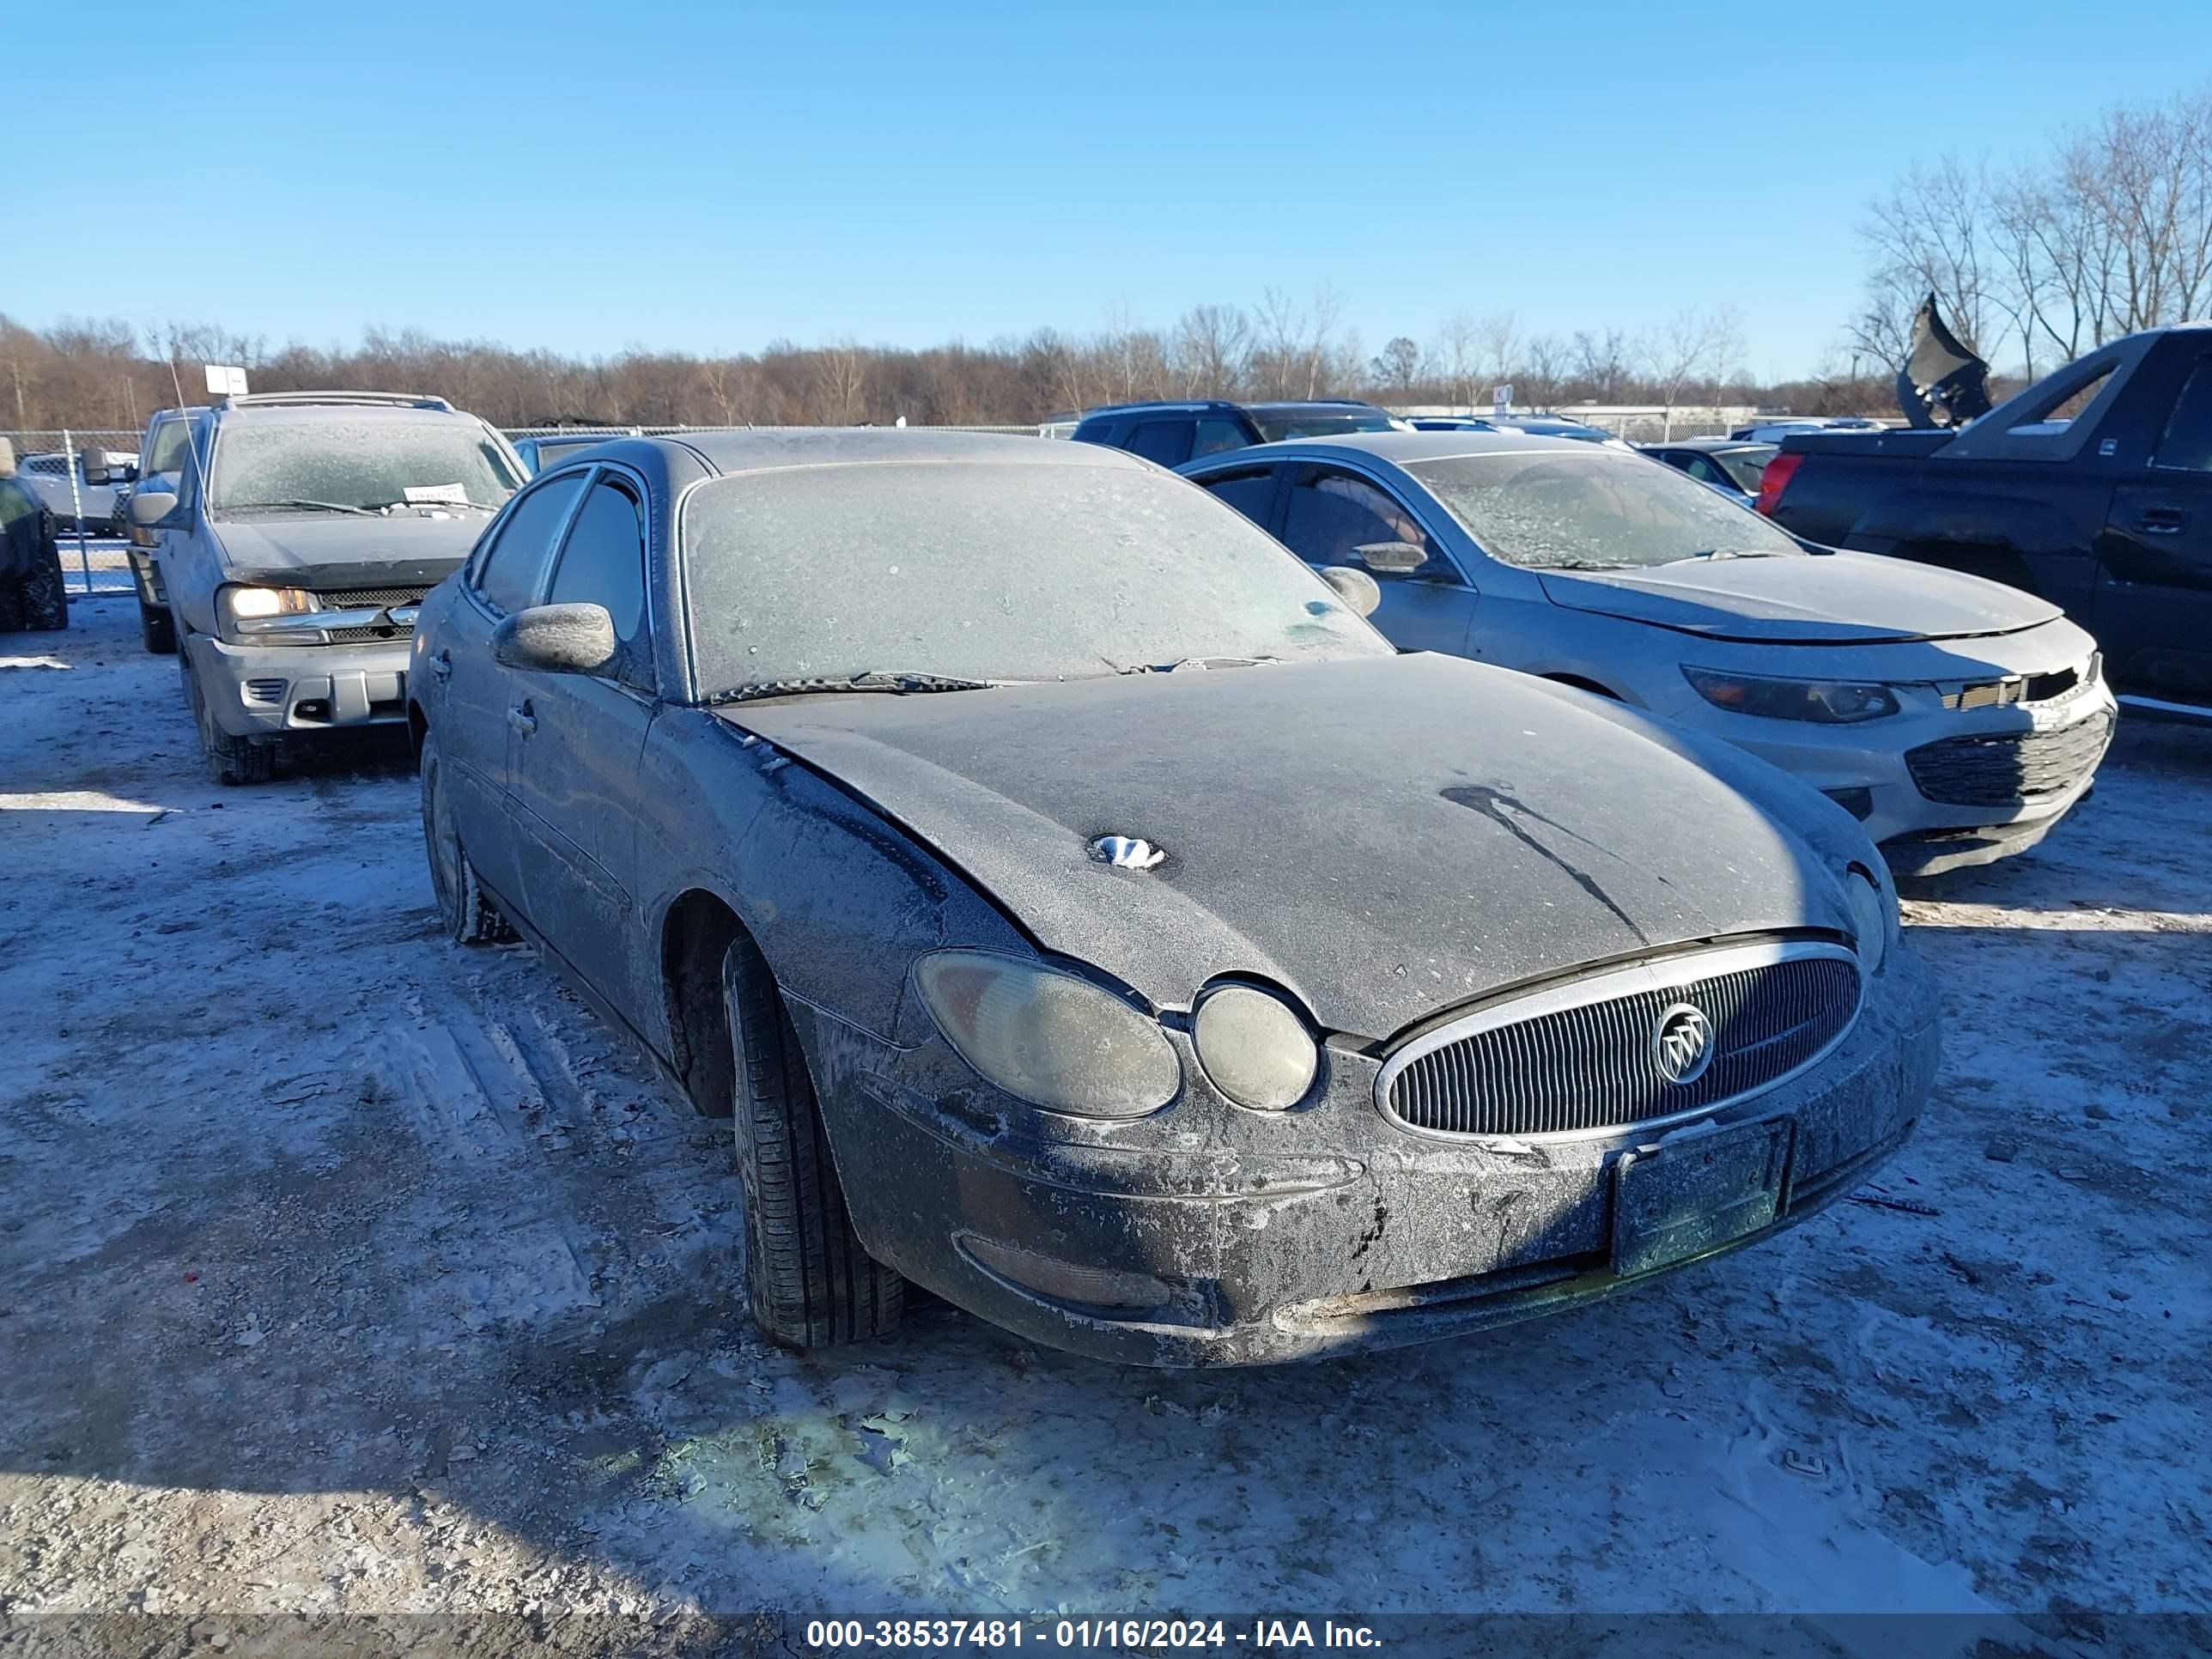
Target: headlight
1047, 1037
236, 605
1828, 702
1256, 1048
1873, 919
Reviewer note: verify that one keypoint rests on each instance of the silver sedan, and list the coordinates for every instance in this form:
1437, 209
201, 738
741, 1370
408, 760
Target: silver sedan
1957, 719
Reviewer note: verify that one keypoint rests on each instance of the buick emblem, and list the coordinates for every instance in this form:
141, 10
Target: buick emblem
1683, 1044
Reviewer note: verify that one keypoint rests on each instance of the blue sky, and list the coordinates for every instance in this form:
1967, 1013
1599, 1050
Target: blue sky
711, 178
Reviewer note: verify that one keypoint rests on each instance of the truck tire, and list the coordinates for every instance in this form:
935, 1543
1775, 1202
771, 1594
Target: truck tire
157, 629
469, 916
230, 761
808, 1282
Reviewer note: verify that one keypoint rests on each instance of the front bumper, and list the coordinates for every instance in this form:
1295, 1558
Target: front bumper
1209, 1236
1866, 769
276, 690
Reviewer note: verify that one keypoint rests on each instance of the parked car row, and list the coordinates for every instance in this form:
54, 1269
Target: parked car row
1335, 897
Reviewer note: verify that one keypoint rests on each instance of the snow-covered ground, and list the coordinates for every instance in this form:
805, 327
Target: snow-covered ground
341, 1268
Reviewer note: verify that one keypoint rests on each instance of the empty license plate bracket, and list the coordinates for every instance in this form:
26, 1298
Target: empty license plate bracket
1697, 1194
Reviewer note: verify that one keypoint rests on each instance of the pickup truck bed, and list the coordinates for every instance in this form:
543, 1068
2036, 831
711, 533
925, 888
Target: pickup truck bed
2091, 488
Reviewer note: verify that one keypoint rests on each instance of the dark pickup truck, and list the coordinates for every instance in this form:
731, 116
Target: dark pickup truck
2093, 489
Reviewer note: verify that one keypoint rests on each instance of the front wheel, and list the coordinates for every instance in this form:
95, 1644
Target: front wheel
808, 1282
469, 916
157, 630
230, 761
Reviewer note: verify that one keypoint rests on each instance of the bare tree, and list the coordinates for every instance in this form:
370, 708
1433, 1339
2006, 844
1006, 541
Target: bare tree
1603, 361
841, 377
1327, 306
1398, 366
1543, 370
1213, 351
1691, 347
1456, 347
1494, 340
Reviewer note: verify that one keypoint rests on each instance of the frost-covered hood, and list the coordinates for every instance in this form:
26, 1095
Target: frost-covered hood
1386, 837
1820, 598
405, 550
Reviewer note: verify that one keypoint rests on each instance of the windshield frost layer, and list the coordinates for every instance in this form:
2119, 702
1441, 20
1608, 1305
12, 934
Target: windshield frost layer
990, 571
1592, 507
365, 463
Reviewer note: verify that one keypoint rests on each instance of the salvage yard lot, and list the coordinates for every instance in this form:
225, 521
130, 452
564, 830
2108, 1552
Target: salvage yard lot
344, 1269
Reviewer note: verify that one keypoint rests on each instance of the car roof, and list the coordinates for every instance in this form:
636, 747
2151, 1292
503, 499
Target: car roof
1710, 446
1401, 448
1199, 405
734, 453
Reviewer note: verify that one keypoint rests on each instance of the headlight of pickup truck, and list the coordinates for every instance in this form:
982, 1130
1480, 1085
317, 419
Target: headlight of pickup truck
1825, 703
235, 604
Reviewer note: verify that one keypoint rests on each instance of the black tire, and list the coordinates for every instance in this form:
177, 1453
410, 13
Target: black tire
230, 761
808, 1282
469, 916
46, 600
157, 629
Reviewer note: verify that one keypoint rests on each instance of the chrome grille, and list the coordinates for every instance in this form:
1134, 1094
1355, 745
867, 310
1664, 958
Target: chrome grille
1584, 1059
356, 598
2009, 769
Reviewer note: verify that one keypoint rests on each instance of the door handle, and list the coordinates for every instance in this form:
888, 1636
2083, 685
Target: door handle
442, 665
522, 719
2162, 521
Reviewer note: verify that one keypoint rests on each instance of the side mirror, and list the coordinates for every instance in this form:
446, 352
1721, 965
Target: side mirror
1355, 588
1391, 558
556, 639
149, 506
95, 466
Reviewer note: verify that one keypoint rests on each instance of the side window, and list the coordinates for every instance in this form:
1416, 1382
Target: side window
1332, 513
603, 562
509, 574
1214, 435
1704, 470
2186, 443
1250, 491
1167, 442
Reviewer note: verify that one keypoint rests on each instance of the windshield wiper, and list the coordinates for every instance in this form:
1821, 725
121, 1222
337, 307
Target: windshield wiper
875, 680
1718, 553
327, 507
448, 501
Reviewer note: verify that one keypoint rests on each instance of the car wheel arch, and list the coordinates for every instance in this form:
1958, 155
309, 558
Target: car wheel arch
1583, 683
696, 931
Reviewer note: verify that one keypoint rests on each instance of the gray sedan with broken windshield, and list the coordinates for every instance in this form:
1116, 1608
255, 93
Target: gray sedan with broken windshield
1958, 720
1084, 914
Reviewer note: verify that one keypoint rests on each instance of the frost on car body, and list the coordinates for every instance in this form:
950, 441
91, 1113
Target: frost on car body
1389, 1043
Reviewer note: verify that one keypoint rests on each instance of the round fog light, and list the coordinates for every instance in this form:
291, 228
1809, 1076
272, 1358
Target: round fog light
1254, 1048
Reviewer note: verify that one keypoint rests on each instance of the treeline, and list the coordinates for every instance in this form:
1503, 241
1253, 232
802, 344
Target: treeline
109, 374
2106, 231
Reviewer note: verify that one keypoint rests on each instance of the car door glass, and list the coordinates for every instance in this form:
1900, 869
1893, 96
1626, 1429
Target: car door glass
1332, 513
602, 563
509, 574
2185, 445
1167, 442
1704, 470
1211, 436
1250, 491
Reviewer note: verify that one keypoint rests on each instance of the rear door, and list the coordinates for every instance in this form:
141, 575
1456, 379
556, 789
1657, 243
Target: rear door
473, 701
1330, 512
573, 777
2153, 612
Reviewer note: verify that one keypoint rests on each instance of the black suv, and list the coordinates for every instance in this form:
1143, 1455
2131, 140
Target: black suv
1172, 434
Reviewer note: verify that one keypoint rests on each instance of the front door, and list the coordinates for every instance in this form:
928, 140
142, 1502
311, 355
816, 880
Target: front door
1332, 513
574, 768
2153, 612
473, 698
